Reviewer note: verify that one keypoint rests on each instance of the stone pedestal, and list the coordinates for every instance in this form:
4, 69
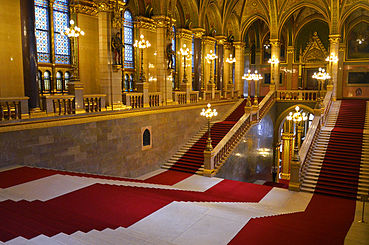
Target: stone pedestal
143, 87
287, 139
211, 87
208, 164
294, 184
76, 88
186, 87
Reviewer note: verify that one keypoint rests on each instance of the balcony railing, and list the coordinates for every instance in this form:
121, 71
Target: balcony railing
94, 102
135, 100
298, 95
11, 108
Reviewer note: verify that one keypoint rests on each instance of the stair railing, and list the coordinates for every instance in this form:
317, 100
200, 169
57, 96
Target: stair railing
298, 168
218, 155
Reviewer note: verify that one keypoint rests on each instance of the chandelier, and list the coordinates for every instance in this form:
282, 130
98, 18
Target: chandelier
73, 30
252, 76
297, 116
321, 75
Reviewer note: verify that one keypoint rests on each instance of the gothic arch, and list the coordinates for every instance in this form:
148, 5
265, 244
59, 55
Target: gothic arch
350, 11
249, 23
291, 10
282, 117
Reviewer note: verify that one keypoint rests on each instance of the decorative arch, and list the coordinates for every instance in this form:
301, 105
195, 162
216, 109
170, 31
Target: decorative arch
350, 11
289, 12
247, 23
282, 118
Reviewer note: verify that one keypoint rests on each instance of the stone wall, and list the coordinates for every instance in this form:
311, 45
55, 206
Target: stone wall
112, 146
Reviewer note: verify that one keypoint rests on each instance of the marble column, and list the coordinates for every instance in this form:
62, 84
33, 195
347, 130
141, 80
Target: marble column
334, 49
29, 52
198, 33
162, 72
221, 79
275, 52
239, 67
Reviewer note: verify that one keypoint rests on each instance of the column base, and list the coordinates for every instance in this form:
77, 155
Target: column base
294, 186
285, 176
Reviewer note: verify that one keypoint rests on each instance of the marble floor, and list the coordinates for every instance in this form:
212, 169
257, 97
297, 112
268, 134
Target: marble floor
180, 221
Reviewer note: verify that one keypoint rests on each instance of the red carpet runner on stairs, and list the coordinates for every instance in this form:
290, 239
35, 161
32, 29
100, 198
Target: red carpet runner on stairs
339, 174
192, 160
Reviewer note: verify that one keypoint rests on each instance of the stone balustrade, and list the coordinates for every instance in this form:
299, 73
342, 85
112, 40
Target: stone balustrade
134, 99
298, 95
11, 108
194, 97
154, 99
59, 104
94, 102
179, 97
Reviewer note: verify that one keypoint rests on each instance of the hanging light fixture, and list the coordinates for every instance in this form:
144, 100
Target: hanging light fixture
73, 30
361, 37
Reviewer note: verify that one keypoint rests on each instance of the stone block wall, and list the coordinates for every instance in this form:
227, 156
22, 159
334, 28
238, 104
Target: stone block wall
110, 145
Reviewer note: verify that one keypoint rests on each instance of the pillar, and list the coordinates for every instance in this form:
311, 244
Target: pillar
274, 72
29, 52
290, 55
220, 82
239, 67
209, 75
341, 58
227, 71
110, 79
184, 37
162, 72
198, 33
287, 141
334, 49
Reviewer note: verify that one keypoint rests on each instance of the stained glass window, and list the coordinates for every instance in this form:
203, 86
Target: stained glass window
66, 80
61, 42
193, 54
128, 40
42, 31
47, 87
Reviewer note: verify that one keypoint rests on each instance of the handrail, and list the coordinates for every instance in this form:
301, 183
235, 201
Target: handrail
300, 95
327, 102
314, 129
226, 144
11, 108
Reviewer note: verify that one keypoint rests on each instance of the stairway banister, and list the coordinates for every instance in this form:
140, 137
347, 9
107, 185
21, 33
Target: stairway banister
309, 139
246, 118
327, 102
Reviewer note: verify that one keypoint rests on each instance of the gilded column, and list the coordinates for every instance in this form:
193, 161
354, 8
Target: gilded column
162, 72
184, 37
334, 49
209, 74
275, 52
290, 55
287, 139
239, 67
341, 57
227, 72
198, 33
220, 82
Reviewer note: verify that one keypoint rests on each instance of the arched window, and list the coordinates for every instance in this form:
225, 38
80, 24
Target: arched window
146, 138
66, 80
126, 83
174, 42
61, 42
60, 13
42, 31
128, 40
46, 82
193, 54
59, 81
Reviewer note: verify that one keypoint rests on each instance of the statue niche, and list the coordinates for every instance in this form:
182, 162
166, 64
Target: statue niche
117, 46
170, 55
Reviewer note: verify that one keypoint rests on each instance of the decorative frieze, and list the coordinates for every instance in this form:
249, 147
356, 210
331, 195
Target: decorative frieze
184, 34
221, 39
198, 32
145, 23
209, 40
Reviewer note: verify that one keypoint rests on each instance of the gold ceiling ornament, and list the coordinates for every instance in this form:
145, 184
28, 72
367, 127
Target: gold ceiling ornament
315, 51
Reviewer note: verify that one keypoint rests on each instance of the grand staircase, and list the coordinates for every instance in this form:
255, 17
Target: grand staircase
336, 166
190, 158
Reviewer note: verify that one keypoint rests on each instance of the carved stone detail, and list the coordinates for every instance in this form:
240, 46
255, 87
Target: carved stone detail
314, 51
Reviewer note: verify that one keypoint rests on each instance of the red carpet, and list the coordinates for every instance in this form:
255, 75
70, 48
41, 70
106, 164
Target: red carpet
325, 221
22, 175
108, 206
192, 160
339, 174
168, 178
